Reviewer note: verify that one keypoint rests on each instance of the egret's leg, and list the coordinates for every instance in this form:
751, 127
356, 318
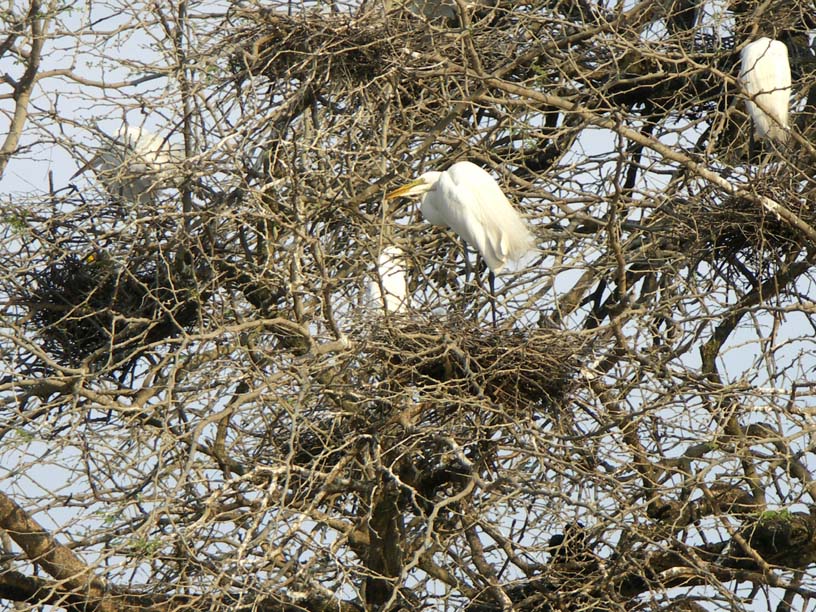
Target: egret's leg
467, 290
491, 279
755, 155
467, 262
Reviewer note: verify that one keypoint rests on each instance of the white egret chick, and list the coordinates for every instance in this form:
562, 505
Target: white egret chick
391, 272
766, 78
135, 166
468, 200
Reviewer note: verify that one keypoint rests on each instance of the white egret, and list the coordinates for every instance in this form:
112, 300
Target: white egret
766, 78
468, 200
391, 272
135, 165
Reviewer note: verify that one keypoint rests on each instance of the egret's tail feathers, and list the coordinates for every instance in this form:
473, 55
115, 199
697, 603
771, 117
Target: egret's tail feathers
776, 133
515, 243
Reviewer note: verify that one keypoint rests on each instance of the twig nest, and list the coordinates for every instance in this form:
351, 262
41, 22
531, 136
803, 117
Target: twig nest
91, 307
520, 369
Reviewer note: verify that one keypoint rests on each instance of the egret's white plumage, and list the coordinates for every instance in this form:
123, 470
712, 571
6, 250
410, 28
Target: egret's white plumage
468, 200
765, 76
391, 272
135, 165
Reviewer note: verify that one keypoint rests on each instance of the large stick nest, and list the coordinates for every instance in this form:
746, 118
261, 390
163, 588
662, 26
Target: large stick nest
742, 236
644, 75
92, 308
522, 370
317, 47
278, 46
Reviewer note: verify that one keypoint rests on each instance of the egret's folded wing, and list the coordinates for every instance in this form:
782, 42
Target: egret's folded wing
765, 76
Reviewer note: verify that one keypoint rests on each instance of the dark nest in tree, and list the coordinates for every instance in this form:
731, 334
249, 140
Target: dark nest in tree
781, 538
93, 308
522, 370
644, 77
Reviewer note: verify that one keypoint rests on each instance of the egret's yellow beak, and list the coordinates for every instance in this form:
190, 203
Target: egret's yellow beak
404, 190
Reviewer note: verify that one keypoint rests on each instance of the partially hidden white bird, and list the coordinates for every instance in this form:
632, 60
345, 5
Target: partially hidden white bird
135, 165
468, 200
390, 276
766, 78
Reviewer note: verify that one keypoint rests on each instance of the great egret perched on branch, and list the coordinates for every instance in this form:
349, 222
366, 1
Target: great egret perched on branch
135, 165
468, 200
765, 75
391, 272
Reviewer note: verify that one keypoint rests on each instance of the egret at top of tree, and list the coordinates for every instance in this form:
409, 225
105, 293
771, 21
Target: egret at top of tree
135, 166
766, 78
391, 271
468, 200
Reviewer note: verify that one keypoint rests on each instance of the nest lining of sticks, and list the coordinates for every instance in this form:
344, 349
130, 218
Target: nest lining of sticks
84, 307
279, 46
319, 47
740, 234
521, 370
